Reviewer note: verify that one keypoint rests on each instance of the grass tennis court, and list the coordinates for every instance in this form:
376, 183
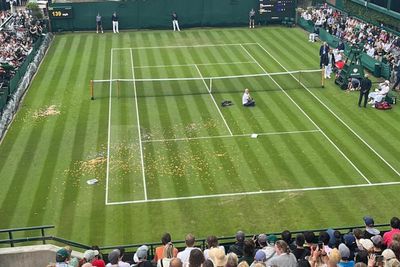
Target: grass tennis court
168, 157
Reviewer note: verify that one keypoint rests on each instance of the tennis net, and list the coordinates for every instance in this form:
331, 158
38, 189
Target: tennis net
207, 85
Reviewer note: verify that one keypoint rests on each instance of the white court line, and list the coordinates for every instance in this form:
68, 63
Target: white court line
138, 127
261, 192
225, 136
191, 65
212, 97
336, 116
109, 129
311, 120
180, 46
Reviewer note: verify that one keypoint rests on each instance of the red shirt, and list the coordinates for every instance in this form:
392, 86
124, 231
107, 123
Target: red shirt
388, 236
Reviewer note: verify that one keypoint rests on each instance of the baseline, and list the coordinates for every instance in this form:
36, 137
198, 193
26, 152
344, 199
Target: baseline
255, 193
311, 120
335, 115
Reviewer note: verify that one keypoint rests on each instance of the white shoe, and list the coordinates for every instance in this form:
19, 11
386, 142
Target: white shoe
97, 31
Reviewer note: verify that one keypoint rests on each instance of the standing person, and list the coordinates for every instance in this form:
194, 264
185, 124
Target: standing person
175, 23
330, 62
99, 25
247, 100
323, 54
252, 15
397, 77
115, 23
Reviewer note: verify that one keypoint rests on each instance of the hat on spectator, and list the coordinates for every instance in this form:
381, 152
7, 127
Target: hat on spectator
98, 263
388, 254
218, 257
344, 251
90, 254
240, 236
61, 255
349, 239
141, 253
272, 239
366, 243
260, 256
368, 220
262, 238
113, 256
377, 240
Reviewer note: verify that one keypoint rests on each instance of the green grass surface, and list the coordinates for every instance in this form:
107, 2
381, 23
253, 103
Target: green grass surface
312, 138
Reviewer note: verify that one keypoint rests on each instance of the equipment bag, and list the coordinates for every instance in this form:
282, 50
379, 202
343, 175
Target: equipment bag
383, 105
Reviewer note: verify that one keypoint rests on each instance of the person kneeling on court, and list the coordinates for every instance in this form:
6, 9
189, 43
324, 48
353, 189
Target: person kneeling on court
247, 100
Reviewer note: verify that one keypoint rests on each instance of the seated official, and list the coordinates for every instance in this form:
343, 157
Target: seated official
354, 84
247, 100
379, 94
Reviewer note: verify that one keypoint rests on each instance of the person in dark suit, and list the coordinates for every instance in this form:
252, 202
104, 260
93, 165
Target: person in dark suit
323, 54
365, 86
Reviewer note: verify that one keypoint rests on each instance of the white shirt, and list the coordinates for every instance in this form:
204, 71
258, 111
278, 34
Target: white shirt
246, 97
184, 255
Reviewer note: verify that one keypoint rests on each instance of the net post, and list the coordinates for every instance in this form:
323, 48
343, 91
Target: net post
323, 77
91, 90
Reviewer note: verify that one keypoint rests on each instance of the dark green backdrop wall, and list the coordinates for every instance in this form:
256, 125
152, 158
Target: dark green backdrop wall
150, 14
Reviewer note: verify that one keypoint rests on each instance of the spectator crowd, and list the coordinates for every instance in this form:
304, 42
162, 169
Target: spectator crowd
366, 247
374, 40
16, 39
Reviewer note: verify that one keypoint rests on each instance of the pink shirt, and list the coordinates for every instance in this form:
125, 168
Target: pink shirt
388, 236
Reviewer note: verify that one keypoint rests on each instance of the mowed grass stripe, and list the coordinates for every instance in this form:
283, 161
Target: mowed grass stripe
22, 121
76, 150
25, 163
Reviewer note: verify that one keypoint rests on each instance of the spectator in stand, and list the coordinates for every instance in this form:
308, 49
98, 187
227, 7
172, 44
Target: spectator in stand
140, 257
184, 255
261, 241
62, 258
309, 237
390, 258
115, 259
369, 231
379, 94
300, 252
284, 257
89, 256
176, 262
237, 248
270, 248
121, 263
350, 242
168, 255
324, 240
159, 251
377, 240
397, 68
367, 245
212, 242
218, 257
318, 257
232, 260
196, 258
346, 260
287, 237
259, 258
248, 251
